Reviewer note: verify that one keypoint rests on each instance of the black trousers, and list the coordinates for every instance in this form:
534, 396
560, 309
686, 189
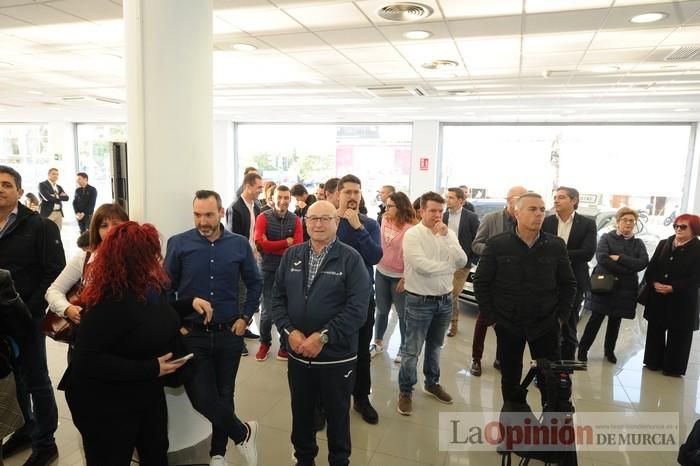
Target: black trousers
668, 349
569, 338
591, 331
332, 385
363, 381
512, 348
110, 436
84, 223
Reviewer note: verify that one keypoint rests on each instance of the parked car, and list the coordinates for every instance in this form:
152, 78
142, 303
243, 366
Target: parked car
486, 206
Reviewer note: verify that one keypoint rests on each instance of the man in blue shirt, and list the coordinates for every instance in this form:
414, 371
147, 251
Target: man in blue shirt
207, 262
362, 233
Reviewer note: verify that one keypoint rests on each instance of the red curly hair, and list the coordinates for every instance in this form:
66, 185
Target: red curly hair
129, 261
692, 220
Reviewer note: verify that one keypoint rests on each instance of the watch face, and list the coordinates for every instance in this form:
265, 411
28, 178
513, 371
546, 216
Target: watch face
324, 338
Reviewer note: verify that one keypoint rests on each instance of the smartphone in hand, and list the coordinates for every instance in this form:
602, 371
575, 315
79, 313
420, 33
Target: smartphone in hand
185, 358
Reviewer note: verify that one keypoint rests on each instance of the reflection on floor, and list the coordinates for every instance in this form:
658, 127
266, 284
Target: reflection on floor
262, 394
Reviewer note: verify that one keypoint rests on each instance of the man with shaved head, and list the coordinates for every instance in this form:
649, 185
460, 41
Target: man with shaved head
319, 300
491, 225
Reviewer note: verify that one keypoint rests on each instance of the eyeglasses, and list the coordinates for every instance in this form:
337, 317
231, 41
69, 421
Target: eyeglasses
680, 227
324, 219
627, 220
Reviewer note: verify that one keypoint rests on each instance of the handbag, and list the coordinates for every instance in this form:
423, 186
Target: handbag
59, 328
11, 417
602, 283
643, 295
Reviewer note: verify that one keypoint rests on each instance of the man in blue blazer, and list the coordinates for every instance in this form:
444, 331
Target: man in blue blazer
464, 223
579, 234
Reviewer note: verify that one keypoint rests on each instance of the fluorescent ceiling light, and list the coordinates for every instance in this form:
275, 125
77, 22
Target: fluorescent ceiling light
241, 47
35, 92
605, 69
417, 35
648, 18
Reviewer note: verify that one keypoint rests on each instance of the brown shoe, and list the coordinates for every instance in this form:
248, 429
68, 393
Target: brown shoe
405, 404
475, 368
438, 392
453, 329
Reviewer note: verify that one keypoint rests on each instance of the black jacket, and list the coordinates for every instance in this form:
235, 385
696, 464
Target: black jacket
622, 302
336, 301
49, 199
580, 246
679, 268
525, 289
15, 324
238, 217
32, 251
468, 225
84, 200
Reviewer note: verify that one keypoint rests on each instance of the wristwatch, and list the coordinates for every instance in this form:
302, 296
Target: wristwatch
360, 228
324, 336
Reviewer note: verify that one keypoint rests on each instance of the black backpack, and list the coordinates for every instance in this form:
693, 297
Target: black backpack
689, 454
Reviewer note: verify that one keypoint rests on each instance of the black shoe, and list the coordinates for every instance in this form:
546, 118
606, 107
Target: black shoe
15, 444
497, 365
43, 457
582, 355
250, 335
611, 357
369, 414
319, 420
244, 352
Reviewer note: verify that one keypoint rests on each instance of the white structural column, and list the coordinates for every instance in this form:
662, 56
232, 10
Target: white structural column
169, 102
424, 157
693, 177
169, 127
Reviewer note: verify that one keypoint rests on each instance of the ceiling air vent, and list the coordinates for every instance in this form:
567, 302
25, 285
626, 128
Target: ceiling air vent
685, 53
396, 91
404, 11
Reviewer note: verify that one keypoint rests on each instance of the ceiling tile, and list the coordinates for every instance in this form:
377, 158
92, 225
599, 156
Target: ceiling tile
39, 14
480, 8
616, 57
684, 36
567, 21
429, 51
385, 67
546, 6
484, 27
294, 42
371, 54
550, 43
315, 58
94, 10
329, 16
552, 60
260, 20
630, 38
357, 37
220, 26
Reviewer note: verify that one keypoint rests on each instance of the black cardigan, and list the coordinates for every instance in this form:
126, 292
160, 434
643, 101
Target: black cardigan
679, 268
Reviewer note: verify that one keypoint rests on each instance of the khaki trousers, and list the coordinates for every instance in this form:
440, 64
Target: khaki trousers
458, 281
56, 217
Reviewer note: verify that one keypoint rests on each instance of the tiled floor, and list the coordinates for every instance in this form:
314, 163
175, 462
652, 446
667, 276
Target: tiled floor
262, 394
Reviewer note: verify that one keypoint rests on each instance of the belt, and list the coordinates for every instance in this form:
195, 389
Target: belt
212, 327
431, 298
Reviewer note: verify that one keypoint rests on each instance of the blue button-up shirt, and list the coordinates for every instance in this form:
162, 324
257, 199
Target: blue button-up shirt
211, 271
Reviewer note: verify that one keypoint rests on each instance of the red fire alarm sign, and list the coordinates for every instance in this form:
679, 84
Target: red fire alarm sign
424, 163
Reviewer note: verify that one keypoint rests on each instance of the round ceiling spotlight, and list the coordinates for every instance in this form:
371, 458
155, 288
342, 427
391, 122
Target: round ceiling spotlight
440, 65
417, 35
404, 11
648, 17
243, 47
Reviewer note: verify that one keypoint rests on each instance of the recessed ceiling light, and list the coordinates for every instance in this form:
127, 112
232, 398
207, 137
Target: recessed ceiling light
648, 17
35, 92
440, 65
243, 47
682, 110
605, 69
417, 35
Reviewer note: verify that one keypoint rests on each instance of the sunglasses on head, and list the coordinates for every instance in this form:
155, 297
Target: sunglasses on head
680, 227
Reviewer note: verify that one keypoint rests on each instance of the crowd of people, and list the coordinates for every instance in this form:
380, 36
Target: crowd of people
326, 276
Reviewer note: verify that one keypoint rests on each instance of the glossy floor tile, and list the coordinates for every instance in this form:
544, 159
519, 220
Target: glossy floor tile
262, 393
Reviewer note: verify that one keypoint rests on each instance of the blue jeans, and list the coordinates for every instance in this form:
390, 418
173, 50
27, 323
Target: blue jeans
41, 413
266, 310
427, 320
216, 358
385, 289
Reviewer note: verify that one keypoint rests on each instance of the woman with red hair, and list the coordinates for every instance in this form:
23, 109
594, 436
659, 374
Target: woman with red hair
114, 385
673, 280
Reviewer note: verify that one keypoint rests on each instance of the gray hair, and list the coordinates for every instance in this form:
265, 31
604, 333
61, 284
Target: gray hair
529, 194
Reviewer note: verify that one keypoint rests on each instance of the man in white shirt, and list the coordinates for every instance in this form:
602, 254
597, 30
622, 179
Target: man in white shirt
432, 253
52, 197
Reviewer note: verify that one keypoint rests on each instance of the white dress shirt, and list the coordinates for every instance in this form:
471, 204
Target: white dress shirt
453, 219
430, 261
71, 274
564, 228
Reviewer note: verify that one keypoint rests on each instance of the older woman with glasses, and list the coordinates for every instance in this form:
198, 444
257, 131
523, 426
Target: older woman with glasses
672, 283
623, 256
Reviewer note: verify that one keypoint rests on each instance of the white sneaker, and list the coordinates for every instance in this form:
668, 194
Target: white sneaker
248, 448
375, 349
397, 359
218, 460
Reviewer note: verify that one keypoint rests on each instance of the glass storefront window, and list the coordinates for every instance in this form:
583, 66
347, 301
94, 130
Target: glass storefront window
24, 148
378, 154
94, 142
